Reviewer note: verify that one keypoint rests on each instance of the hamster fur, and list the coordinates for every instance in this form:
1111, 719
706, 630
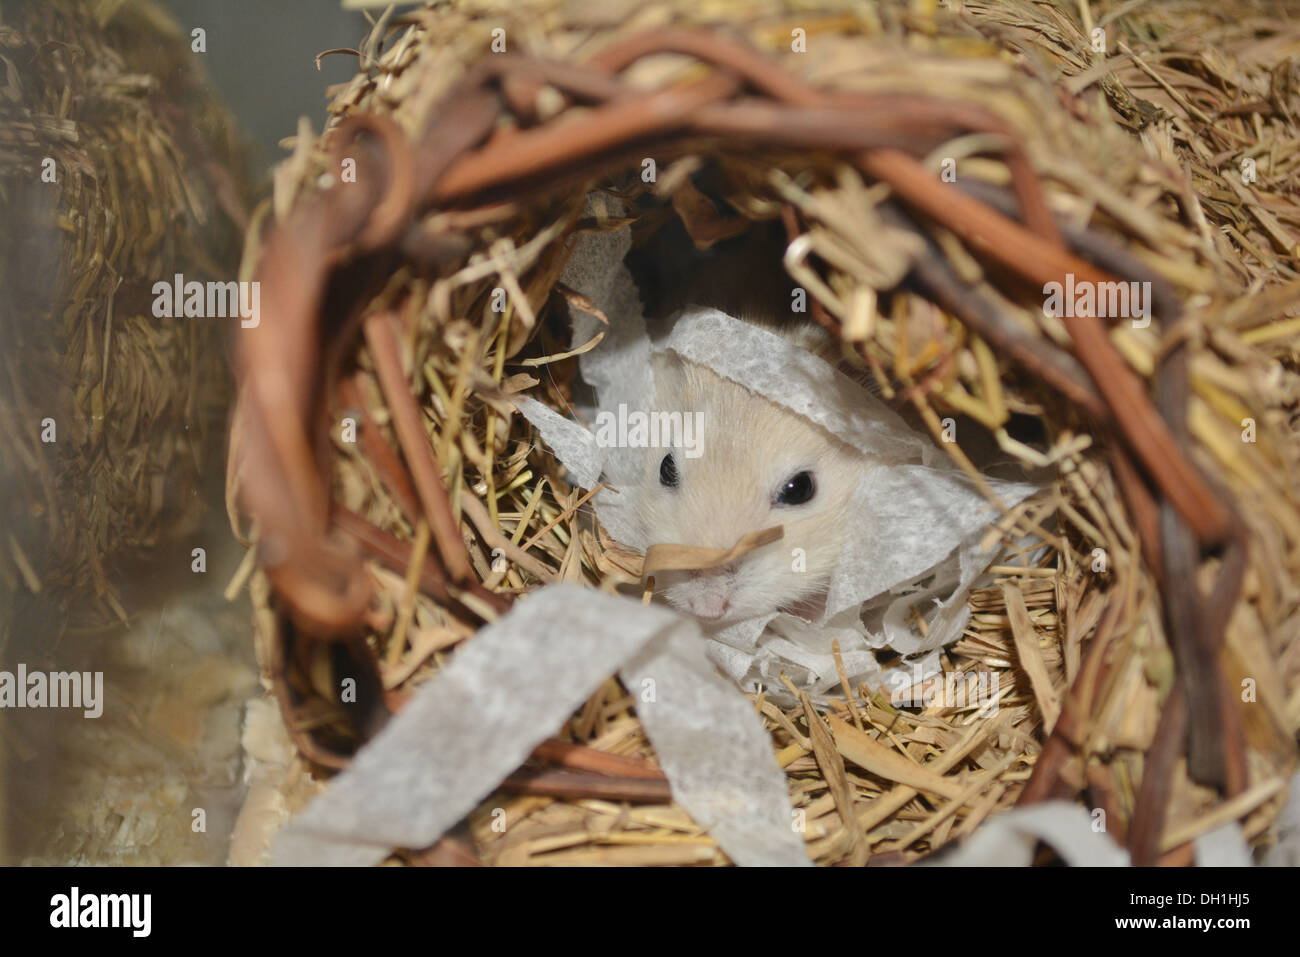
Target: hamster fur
752, 473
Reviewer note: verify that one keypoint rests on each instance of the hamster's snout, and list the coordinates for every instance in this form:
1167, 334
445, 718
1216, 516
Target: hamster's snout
710, 605
707, 593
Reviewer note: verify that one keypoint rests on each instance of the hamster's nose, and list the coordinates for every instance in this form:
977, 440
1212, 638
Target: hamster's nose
709, 591
710, 605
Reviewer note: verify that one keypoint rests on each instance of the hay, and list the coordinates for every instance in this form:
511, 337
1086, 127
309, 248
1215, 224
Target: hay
1091, 700
148, 184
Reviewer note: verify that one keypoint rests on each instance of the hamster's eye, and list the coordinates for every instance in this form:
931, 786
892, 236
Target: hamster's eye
797, 489
668, 476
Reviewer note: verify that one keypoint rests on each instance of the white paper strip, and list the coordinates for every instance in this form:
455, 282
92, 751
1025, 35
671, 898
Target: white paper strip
572, 444
714, 750
1286, 852
1009, 840
513, 685
1225, 846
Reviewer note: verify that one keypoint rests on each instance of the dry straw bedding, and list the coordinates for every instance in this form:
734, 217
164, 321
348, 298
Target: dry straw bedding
1144, 145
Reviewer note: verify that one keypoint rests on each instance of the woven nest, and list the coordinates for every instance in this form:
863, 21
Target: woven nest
1149, 663
146, 179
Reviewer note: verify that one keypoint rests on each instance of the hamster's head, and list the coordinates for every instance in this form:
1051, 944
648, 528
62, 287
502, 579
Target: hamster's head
746, 464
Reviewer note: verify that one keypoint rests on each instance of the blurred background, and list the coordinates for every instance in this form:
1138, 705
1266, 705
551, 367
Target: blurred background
134, 483
261, 60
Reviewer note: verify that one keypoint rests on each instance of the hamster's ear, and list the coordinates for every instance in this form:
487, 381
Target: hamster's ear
861, 376
668, 371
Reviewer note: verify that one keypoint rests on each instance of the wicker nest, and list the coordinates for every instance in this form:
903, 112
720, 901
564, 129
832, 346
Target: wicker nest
117, 170
1150, 662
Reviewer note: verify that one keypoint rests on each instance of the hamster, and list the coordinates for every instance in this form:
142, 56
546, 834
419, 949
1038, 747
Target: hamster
759, 465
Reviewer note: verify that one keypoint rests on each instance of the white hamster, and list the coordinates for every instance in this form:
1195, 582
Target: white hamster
759, 465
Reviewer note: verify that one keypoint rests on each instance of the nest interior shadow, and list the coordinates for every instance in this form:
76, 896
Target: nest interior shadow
923, 189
